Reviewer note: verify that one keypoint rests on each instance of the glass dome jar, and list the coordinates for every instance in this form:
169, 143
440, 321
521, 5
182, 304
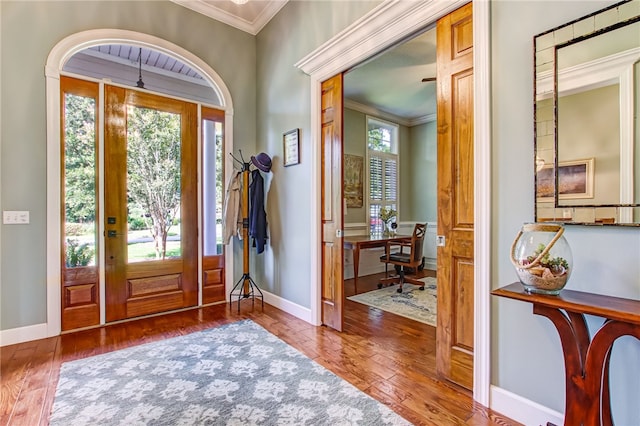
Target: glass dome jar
542, 258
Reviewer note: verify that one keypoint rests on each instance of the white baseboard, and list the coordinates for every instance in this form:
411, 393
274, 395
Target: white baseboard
23, 334
430, 264
39, 331
289, 307
522, 410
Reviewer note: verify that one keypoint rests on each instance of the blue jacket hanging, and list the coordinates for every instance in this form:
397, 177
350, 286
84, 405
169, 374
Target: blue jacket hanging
257, 215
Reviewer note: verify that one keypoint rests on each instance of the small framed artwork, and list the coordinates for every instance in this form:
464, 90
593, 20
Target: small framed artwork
353, 174
291, 141
575, 180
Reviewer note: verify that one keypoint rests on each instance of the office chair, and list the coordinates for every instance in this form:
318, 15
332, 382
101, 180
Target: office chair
405, 253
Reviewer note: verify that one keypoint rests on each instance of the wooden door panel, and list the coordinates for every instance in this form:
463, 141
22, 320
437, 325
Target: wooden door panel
462, 85
80, 297
462, 337
455, 328
331, 204
213, 289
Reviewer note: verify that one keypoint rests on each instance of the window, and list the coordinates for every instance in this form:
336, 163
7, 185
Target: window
382, 153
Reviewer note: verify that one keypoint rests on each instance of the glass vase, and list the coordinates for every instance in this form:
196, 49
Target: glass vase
542, 258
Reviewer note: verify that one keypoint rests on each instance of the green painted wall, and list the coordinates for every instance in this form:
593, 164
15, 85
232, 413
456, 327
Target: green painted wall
28, 32
424, 168
526, 355
283, 102
271, 97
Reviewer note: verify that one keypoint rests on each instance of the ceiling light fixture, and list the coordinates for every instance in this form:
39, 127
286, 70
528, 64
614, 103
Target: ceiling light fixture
239, 1
140, 83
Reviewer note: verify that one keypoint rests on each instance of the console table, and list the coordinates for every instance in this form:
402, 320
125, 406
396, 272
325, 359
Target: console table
586, 360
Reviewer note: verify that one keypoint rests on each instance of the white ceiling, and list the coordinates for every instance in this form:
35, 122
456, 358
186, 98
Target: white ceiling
391, 83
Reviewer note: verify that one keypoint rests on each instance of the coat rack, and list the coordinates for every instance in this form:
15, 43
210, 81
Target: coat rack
246, 287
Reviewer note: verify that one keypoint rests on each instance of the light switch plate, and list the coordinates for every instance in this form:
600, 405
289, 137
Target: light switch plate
12, 217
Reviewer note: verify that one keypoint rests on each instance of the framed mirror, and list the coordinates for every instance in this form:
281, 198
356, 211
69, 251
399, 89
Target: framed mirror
587, 119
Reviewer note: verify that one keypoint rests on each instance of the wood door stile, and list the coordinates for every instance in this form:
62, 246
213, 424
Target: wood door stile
586, 359
331, 205
455, 259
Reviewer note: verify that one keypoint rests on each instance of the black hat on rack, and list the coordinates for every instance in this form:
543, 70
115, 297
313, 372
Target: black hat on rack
262, 161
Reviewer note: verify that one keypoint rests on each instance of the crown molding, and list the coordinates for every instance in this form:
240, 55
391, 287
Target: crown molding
387, 18
370, 110
270, 9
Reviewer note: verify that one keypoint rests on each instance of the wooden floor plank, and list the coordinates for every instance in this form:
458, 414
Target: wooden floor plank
389, 357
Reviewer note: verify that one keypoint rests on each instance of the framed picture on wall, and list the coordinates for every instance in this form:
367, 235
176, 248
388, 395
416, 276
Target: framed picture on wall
575, 180
291, 147
353, 180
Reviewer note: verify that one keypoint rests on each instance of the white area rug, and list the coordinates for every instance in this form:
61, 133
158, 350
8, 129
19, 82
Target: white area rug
237, 374
419, 305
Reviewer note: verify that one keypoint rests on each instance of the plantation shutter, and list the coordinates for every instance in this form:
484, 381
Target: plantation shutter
383, 186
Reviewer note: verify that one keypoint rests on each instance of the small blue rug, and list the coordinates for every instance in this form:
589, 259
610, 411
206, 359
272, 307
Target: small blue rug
237, 374
413, 303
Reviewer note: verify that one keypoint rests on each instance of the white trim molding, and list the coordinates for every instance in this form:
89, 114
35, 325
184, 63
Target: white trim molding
24, 334
289, 307
482, 200
389, 23
56, 60
208, 8
523, 410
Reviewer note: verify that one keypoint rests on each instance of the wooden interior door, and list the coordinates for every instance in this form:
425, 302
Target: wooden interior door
331, 205
455, 330
148, 286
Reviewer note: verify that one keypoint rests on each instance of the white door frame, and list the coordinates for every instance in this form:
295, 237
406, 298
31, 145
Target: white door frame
384, 26
56, 60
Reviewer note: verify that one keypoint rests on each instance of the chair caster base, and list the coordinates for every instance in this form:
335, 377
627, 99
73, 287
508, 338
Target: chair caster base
421, 288
399, 290
379, 285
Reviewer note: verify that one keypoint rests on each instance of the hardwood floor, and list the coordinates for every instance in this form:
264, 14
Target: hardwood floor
388, 357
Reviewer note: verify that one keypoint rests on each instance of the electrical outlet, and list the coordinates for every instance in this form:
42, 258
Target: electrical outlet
11, 217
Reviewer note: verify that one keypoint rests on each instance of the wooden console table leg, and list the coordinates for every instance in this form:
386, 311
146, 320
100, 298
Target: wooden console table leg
597, 366
586, 364
572, 331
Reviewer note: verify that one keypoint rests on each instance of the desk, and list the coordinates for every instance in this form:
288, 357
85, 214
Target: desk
358, 242
586, 360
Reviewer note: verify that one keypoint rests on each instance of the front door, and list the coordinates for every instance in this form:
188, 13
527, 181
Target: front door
455, 330
150, 212
331, 207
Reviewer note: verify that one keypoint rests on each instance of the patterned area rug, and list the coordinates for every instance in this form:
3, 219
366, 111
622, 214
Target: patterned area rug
237, 374
419, 305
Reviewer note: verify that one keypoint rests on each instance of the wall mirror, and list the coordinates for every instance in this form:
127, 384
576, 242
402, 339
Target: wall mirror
587, 115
